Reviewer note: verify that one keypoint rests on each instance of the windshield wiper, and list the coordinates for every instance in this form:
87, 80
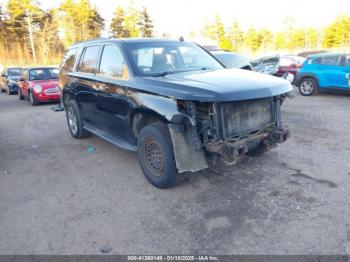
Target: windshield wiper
180, 71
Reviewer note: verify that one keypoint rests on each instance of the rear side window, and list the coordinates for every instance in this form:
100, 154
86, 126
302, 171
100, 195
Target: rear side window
88, 63
347, 60
330, 60
112, 63
69, 59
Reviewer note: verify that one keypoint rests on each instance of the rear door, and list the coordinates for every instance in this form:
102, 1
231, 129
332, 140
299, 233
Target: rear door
111, 102
331, 71
346, 69
85, 94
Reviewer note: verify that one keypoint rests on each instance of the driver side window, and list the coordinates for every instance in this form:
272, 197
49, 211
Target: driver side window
112, 63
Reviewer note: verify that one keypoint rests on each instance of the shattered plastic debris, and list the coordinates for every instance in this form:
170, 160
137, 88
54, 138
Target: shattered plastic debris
91, 149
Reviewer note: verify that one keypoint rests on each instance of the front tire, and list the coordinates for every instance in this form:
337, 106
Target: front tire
75, 121
156, 156
33, 100
308, 86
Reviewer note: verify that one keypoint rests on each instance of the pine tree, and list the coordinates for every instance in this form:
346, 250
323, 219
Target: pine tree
80, 21
117, 25
236, 35
146, 24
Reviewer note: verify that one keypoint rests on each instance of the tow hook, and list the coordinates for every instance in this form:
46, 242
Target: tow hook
280, 135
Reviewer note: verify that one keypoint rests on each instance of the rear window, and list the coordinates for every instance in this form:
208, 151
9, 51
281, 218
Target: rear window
69, 59
88, 63
272, 60
43, 74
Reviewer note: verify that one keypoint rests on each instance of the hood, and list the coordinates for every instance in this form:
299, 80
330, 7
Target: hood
217, 85
45, 84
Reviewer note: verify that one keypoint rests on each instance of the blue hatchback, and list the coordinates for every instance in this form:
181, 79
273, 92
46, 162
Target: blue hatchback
326, 71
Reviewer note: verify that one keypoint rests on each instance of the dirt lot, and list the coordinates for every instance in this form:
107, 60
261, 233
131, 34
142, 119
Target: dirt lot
58, 198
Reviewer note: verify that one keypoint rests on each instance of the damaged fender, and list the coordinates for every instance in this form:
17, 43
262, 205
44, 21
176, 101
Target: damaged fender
187, 158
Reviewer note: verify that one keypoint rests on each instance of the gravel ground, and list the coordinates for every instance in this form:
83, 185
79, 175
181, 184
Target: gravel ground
58, 198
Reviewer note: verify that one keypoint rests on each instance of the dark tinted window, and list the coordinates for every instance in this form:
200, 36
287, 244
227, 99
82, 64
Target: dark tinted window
43, 74
88, 63
330, 60
69, 59
112, 62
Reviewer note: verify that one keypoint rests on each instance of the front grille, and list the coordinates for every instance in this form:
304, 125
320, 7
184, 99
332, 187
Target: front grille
242, 117
52, 90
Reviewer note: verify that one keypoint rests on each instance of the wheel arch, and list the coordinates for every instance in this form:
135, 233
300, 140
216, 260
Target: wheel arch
312, 76
140, 117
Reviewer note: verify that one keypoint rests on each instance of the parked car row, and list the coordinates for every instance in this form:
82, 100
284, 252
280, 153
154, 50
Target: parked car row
36, 84
310, 71
9, 79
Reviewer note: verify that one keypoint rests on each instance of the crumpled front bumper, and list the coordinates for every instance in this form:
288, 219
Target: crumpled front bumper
233, 150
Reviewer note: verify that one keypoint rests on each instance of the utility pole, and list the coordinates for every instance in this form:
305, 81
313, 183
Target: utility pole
30, 31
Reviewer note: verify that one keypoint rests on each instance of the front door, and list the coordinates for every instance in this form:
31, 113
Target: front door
111, 103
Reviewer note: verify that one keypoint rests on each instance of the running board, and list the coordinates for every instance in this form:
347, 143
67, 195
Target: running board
115, 140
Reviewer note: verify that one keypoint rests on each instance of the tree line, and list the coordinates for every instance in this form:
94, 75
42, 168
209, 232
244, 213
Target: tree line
293, 38
31, 35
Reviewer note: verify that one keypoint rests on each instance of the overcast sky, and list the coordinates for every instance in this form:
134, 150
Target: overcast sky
179, 17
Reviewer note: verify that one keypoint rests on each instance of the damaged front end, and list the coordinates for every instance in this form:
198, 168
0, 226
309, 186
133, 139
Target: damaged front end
226, 130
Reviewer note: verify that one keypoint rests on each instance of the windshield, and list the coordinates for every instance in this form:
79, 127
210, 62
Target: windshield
43, 74
164, 57
14, 71
233, 60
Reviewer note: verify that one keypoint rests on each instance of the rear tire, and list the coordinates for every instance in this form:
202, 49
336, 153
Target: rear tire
75, 121
156, 156
33, 100
308, 86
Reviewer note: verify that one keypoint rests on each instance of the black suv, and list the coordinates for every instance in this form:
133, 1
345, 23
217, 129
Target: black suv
172, 102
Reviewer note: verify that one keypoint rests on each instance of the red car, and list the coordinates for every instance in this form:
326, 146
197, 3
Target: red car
39, 84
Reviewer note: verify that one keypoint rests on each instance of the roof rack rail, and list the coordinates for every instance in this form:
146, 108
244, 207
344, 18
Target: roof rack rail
91, 40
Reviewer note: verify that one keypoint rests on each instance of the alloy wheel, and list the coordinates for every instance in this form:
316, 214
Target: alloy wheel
72, 120
307, 87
